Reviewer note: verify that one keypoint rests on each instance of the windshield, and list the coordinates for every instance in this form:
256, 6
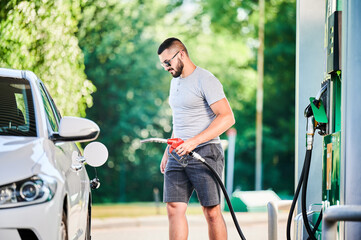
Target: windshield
16, 108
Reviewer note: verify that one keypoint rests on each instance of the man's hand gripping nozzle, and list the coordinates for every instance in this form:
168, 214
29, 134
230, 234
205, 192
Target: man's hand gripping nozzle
173, 144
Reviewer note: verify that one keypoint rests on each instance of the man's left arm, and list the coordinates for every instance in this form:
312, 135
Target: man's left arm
223, 121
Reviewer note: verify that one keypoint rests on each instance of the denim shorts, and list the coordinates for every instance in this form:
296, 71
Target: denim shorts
180, 181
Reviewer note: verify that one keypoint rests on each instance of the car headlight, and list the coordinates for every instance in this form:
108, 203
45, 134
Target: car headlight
37, 189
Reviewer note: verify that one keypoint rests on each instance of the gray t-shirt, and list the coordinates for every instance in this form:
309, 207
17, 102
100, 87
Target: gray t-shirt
190, 99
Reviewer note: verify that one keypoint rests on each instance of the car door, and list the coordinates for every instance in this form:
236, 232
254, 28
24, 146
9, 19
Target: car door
74, 173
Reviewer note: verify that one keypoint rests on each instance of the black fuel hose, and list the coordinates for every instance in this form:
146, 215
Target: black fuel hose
303, 197
318, 222
219, 180
294, 201
303, 181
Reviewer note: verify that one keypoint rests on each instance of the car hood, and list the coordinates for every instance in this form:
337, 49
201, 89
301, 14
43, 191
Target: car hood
18, 156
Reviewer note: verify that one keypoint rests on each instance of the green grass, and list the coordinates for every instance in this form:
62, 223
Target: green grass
133, 210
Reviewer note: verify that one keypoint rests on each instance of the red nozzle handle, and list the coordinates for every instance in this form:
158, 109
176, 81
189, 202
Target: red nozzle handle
174, 143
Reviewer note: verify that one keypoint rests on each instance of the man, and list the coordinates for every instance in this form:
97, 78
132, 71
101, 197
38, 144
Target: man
201, 113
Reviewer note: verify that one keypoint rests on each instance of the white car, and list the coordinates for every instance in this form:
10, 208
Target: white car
45, 191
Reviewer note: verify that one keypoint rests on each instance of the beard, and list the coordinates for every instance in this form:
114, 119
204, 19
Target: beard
177, 70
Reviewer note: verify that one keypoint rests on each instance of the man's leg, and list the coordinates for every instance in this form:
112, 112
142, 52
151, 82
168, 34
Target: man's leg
217, 229
178, 225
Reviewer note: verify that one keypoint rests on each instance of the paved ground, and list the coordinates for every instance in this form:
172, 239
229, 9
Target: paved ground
253, 225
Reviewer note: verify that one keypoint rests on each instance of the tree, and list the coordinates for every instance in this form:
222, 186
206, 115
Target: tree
239, 20
279, 103
40, 36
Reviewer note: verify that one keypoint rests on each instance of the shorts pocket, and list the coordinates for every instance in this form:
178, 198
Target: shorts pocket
217, 151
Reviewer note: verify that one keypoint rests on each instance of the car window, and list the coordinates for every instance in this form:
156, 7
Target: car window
51, 102
49, 109
16, 108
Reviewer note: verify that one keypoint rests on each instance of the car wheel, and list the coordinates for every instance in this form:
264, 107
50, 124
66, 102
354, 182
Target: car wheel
63, 232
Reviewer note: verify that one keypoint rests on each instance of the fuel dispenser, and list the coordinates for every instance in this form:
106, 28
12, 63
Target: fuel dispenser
324, 116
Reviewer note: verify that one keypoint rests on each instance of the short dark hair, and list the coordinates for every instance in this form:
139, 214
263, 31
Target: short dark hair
172, 42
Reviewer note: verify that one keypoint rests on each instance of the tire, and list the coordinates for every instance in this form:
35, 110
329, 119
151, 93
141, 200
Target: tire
63, 232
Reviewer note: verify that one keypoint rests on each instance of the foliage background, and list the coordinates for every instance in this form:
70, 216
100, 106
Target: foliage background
40, 36
102, 56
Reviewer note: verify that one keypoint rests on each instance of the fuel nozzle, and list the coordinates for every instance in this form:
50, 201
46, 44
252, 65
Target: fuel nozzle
314, 102
316, 117
172, 142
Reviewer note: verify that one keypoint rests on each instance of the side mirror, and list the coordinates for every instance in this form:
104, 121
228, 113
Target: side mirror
95, 154
76, 129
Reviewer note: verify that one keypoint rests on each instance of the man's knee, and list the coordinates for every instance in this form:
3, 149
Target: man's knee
176, 208
212, 213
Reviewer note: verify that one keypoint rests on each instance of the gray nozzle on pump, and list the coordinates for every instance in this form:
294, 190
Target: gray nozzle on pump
308, 110
309, 114
319, 94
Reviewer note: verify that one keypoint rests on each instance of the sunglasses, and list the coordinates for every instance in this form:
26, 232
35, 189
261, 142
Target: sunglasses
166, 63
